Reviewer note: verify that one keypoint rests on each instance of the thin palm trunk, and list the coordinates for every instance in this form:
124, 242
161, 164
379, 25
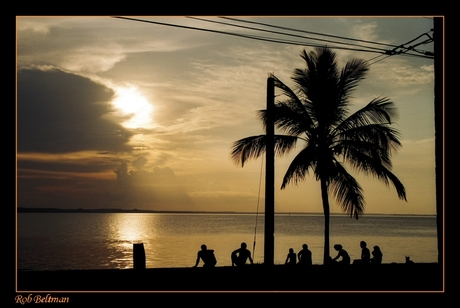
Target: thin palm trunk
327, 214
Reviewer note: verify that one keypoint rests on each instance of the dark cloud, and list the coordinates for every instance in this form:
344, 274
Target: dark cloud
83, 165
59, 112
52, 189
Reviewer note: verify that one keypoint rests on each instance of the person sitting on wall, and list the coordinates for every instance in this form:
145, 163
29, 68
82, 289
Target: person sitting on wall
291, 258
304, 256
377, 255
241, 255
208, 257
365, 255
343, 254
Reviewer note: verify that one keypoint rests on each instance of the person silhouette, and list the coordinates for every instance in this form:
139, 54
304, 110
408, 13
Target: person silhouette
304, 256
341, 253
241, 255
365, 254
208, 257
377, 255
291, 258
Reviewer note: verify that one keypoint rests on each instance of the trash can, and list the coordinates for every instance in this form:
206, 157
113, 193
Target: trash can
138, 256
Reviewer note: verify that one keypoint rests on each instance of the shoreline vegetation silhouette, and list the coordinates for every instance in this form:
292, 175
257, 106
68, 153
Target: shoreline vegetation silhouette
316, 112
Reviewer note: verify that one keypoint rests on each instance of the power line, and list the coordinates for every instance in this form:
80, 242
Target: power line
394, 51
405, 49
308, 32
219, 32
260, 38
293, 35
425, 54
375, 59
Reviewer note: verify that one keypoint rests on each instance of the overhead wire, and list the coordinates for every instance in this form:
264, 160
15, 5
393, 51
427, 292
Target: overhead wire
287, 34
404, 49
221, 32
308, 32
383, 52
425, 54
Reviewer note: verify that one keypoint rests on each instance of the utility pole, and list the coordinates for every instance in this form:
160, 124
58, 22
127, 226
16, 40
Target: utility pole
439, 129
269, 237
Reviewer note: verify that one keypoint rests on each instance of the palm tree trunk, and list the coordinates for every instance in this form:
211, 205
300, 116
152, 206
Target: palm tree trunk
327, 214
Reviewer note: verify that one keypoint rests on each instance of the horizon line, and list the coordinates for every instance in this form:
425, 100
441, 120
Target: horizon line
119, 210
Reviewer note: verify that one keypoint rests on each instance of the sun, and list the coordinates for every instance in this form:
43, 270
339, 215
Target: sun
134, 105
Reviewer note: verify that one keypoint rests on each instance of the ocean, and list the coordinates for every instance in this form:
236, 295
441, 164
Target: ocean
75, 241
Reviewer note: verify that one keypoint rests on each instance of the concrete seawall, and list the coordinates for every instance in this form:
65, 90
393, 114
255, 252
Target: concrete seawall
386, 277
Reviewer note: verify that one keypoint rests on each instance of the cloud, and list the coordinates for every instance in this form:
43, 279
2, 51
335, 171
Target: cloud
59, 112
158, 189
397, 73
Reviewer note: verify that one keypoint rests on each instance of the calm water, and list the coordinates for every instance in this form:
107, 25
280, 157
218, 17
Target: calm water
61, 241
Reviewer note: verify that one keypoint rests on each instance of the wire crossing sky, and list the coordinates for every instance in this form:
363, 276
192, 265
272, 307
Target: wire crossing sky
362, 48
141, 112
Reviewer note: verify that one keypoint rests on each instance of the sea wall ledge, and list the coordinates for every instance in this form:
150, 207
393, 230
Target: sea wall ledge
426, 277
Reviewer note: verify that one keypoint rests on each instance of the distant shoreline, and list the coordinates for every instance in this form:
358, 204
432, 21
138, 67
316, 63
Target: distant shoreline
117, 210
111, 210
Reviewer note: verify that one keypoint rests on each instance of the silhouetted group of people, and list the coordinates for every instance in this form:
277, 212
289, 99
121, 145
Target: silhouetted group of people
304, 257
343, 258
240, 256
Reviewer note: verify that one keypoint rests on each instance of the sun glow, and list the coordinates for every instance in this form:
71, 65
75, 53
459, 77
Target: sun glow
135, 106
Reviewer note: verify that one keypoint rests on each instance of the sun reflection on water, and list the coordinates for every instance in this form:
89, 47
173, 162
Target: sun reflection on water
129, 229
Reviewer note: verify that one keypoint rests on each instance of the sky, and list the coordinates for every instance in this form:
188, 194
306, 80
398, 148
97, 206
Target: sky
122, 113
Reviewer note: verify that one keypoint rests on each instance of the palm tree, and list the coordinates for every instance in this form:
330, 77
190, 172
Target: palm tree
318, 115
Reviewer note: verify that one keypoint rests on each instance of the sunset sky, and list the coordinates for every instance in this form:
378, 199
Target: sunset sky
119, 113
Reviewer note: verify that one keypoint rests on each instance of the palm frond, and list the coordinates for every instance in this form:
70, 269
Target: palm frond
284, 144
354, 71
248, 148
380, 110
347, 191
371, 137
319, 84
369, 164
289, 118
288, 92
300, 166
255, 146
351, 151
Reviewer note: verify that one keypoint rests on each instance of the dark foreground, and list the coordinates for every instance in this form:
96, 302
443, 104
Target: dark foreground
386, 277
